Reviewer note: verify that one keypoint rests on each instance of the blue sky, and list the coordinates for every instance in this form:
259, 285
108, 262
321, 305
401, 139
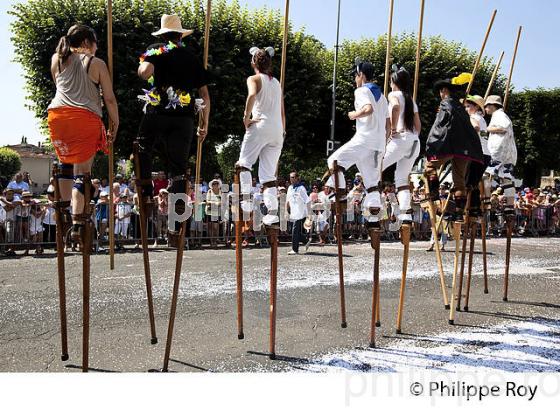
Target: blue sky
466, 21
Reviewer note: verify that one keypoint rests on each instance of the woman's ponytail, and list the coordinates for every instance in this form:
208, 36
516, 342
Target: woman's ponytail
63, 49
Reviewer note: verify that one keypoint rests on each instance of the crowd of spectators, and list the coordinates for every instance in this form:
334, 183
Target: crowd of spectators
27, 220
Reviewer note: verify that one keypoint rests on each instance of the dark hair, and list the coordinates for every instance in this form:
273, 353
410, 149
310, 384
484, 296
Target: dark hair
402, 79
75, 37
171, 36
263, 61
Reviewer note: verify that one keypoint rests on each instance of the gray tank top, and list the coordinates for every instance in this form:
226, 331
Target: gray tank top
74, 88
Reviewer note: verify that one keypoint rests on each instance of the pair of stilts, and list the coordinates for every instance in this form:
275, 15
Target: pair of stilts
272, 236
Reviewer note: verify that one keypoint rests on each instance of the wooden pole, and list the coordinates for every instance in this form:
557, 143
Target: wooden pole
494, 75
238, 255
339, 245
509, 231
86, 265
375, 238
405, 234
477, 62
144, 240
463, 251
433, 219
60, 264
199, 142
469, 272
285, 44
457, 237
388, 53
111, 152
506, 97
273, 237
418, 50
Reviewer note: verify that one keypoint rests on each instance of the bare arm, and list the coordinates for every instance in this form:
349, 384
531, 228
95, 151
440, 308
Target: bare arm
496, 130
203, 128
395, 112
363, 112
417, 123
100, 67
54, 66
387, 128
474, 123
145, 70
252, 91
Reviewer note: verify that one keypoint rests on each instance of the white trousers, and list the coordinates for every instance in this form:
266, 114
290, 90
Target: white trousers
356, 152
264, 144
403, 151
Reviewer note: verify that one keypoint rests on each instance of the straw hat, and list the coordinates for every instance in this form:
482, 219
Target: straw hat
171, 23
476, 99
494, 99
26, 194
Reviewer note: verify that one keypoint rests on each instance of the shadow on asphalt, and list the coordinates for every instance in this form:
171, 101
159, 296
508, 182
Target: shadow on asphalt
91, 369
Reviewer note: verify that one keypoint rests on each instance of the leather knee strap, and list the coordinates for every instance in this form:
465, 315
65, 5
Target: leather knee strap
270, 184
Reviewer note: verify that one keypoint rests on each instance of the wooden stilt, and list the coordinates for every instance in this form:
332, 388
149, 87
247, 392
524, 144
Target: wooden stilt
456, 235
60, 265
144, 240
483, 235
375, 238
466, 228
509, 232
469, 272
86, 252
405, 235
238, 255
432, 212
176, 283
339, 246
273, 239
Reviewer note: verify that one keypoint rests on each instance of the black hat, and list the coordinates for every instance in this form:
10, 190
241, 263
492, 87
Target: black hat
363, 67
453, 84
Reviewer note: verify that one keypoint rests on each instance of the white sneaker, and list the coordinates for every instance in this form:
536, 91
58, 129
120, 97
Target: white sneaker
292, 252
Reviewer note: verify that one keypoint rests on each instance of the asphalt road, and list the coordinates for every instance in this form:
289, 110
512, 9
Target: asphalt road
308, 321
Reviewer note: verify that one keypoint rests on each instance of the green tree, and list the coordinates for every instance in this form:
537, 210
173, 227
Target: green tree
10, 163
537, 132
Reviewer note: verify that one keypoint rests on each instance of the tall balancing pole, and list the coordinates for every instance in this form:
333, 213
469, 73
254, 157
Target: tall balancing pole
509, 220
405, 227
477, 62
494, 75
375, 231
111, 152
199, 141
272, 231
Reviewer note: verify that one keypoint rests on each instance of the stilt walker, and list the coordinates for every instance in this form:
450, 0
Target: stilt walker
264, 105
501, 143
172, 92
404, 149
77, 132
111, 153
454, 141
62, 215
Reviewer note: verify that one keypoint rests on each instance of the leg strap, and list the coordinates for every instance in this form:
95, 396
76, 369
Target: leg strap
270, 184
403, 188
79, 183
372, 189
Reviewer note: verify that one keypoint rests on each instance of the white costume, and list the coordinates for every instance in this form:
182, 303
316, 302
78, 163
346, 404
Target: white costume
503, 151
263, 141
403, 149
366, 147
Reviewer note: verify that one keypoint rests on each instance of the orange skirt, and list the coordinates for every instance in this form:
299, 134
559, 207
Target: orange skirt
76, 134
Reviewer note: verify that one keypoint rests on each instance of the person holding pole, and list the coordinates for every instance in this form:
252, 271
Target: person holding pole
404, 145
452, 138
173, 73
265, 124
77, 133
367, 146
502, 149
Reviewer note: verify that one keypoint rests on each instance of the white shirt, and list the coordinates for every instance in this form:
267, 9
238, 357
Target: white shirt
123, 208
502, 146
24, 186
477, 116
49, 218
268, 103
2, 214
400, 124
298, 200
371, 129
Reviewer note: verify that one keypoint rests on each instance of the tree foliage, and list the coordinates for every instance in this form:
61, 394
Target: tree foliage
39, 24
537, 132
10, 163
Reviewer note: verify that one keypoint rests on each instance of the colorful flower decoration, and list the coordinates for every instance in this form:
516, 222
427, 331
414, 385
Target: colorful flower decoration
159, 51
150, 97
